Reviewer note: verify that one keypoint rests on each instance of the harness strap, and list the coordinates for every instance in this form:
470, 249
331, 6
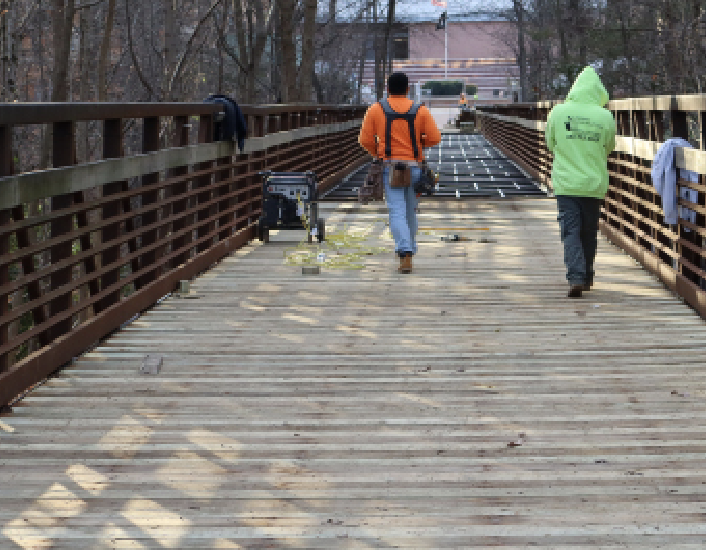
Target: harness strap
409, 116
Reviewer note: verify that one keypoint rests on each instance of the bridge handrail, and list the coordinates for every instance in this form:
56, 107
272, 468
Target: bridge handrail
86, 247
632, 214
30, 186
46, 113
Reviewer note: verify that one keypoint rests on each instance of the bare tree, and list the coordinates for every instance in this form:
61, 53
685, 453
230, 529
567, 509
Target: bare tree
103, 56
306, 69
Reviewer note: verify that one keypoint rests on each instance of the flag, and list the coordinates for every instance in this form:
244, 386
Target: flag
438, 3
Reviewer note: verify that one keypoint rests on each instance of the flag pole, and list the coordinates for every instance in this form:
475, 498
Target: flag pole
446, 48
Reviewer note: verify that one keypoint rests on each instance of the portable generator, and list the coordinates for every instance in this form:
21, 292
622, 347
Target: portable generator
286, 198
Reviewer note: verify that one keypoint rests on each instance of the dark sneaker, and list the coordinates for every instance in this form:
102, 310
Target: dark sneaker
575, 291
587, 286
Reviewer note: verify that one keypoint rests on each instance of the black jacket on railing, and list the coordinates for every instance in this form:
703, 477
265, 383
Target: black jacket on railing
233, 126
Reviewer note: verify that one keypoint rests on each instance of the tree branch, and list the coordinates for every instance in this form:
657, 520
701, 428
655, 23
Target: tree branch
180, 64
135, 63
234, 56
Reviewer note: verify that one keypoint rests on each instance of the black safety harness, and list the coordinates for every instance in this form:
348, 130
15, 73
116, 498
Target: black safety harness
409, 116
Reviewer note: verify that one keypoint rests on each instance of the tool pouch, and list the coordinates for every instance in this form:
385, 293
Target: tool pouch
401, 175
373, 186
427, 181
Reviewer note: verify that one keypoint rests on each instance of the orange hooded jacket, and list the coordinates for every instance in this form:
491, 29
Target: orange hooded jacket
374, 125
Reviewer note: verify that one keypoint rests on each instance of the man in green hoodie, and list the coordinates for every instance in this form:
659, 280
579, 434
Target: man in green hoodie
581, 134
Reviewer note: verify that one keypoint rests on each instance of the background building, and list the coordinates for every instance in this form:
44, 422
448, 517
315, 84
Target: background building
480, 53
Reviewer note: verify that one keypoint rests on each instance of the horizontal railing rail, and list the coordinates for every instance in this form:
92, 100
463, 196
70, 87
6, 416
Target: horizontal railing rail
84, 247
632, 213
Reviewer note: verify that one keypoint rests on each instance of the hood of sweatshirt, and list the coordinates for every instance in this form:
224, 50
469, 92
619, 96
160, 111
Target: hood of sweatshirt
588, 89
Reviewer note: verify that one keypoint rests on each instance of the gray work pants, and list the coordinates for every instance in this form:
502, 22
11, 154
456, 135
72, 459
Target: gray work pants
578, 220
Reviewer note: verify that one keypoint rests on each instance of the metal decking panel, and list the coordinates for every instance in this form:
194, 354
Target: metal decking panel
468, 167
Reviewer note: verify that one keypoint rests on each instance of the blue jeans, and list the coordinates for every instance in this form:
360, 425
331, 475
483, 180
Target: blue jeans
578, 219
401, 205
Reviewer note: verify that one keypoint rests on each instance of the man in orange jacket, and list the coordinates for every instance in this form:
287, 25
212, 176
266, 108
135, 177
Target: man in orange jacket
403, 129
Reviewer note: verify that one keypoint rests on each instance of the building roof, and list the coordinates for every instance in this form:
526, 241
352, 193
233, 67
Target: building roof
423, 11
419, 11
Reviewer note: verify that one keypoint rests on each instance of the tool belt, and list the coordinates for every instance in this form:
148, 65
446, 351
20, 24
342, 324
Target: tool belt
400, 175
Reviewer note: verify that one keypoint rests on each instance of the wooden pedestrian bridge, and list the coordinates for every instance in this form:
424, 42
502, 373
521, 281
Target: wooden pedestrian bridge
468, 405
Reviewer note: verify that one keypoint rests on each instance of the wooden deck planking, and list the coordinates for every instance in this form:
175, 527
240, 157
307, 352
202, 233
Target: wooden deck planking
366, 409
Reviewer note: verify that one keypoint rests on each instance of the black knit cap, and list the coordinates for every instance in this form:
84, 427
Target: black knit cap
397, 84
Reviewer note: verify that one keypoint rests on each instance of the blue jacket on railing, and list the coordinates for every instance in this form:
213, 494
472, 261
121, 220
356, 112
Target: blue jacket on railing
233, 126
664, 179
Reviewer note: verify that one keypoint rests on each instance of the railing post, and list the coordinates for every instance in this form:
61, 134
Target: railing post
205, 136
640, 125
64, 154
223, 186
112, 148
623, 123
150, 143
6, 169
679, 125
242, 167
180, 139
256, 161
680, 129
224, 189
657, 126
271, 127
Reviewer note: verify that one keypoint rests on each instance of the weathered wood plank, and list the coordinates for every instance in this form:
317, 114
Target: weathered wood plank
467, 405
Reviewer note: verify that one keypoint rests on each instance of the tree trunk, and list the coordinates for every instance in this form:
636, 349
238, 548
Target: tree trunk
361, 68
62, 26
8, 52
306, 68
521, 55
289, 50
62, 22
674, 66
319, 89
84, 84
561, 29
170, 49
104, 55
221, 57
242, 50
379, 78
388, 35
275, 55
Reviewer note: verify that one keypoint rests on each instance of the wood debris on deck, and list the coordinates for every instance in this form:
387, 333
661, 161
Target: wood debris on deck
470, 404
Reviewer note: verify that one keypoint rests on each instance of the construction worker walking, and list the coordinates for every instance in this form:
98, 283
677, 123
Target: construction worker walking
402, 128
462, 101
581, 134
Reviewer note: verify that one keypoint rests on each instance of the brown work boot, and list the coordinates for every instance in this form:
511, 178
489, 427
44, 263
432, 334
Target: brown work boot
575, 291
405, 264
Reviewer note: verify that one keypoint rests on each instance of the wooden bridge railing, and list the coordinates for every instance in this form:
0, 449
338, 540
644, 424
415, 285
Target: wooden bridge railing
86, 247
632, 215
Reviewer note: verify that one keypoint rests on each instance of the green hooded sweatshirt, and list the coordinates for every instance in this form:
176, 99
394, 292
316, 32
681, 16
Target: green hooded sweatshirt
581, 134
